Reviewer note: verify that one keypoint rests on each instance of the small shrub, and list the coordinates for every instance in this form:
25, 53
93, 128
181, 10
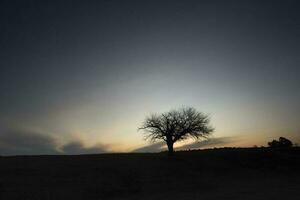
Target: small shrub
281, 143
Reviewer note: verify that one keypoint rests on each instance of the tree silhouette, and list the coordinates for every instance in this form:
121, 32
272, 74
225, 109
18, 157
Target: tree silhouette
282, 142
176, 125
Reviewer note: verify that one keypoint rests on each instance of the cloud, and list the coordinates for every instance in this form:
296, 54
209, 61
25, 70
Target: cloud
22, 142
211, 142
77, 147
18, 142
156, 147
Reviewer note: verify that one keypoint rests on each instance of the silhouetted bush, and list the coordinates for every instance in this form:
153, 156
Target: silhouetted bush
282, 142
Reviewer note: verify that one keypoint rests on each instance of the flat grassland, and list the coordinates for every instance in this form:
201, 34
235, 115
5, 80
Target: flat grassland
227, 173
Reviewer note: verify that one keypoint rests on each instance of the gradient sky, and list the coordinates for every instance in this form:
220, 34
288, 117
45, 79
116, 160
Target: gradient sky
80, 76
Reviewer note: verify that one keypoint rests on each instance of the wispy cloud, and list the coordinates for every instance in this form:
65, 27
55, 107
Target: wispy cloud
16, 142
77, 147
23, 142
211, 142
155, 147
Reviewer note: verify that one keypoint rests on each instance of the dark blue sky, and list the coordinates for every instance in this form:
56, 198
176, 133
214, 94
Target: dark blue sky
89, 71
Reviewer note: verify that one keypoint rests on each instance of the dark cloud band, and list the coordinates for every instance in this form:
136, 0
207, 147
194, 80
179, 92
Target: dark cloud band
20, 142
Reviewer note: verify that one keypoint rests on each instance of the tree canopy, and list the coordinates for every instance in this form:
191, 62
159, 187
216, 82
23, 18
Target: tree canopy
177, 125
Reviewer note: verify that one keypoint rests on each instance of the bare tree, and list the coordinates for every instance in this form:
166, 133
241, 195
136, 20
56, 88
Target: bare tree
176, 125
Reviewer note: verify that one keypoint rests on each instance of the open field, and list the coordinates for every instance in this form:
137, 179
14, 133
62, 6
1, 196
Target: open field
255, 173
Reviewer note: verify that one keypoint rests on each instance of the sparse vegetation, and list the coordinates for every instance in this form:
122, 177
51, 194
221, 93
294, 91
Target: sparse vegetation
281, 143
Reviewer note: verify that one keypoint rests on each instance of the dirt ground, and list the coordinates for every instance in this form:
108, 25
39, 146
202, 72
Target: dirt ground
229, 173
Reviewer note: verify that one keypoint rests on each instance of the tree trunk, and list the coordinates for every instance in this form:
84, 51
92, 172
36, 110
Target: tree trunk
170, 148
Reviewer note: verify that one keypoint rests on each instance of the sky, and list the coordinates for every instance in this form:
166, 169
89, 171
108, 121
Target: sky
81, 76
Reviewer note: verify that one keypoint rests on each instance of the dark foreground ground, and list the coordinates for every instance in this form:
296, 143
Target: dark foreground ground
207, 174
